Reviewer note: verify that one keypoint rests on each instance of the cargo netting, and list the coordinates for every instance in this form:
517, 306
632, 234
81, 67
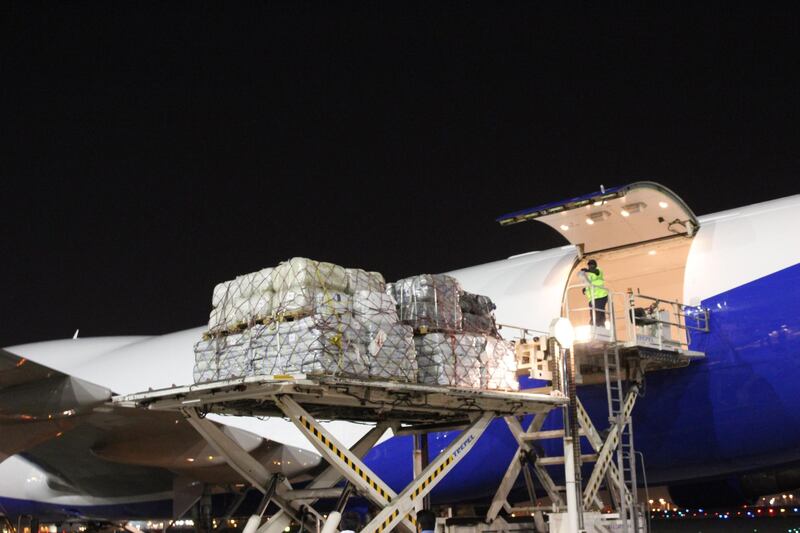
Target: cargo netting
317, 318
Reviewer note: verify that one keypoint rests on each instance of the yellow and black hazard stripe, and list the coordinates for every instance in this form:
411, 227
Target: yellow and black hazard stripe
427, 481
433, 475
389, 520
354, 467
363, 475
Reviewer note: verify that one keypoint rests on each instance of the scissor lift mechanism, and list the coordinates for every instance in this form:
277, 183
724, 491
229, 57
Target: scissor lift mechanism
304, 401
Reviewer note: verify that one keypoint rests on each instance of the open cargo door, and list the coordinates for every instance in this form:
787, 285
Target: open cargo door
615, 217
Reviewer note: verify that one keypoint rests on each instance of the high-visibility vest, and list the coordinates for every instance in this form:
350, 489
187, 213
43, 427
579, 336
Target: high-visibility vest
597, 287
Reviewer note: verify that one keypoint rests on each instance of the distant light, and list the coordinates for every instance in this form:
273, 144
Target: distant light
624, 213
210, 457
663, 205
651, 252
589, 221
191, 460
564, 227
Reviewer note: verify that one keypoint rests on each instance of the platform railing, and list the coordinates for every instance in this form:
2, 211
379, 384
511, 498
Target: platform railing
670, 322
663, 323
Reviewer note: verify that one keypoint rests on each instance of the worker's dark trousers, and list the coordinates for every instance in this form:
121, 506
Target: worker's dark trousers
599, 310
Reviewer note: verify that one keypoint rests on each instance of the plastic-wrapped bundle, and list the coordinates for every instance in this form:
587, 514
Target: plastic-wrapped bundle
499, 360
241, 301
313, 345
476, 304
233, 358
450, 359
243, 287
482, 324
389, 350
361, 280
374, 306
300, 272
205, 361
301, 301
429, 301
259, 306
216, 321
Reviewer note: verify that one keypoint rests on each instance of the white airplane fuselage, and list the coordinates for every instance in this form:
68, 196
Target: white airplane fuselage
733, 412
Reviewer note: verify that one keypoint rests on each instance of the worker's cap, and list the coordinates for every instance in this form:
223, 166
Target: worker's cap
592, 263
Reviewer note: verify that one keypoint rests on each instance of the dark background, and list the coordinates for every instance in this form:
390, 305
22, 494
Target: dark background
152, 150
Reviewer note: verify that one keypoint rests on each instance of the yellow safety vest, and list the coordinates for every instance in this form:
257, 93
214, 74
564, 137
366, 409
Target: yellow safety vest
597, 288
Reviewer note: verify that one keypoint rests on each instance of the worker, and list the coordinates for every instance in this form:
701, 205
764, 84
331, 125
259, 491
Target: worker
426, 520
596, 292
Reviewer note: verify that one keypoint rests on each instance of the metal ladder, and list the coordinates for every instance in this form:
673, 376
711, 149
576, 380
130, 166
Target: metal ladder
629, 511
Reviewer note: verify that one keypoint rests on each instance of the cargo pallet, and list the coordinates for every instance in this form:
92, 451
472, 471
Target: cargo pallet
406, 407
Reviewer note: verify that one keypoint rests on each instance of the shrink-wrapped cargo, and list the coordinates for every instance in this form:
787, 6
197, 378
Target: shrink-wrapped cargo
450, 359
499, 360
389, 351
231, 355
300, 272
216, 321
361, 280
321, 319
429, 301
303, 301
476, 304
313, 345
374, 306
481, 324
205, 361
243, 287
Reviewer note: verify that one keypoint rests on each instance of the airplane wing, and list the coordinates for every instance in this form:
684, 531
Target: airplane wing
65, 426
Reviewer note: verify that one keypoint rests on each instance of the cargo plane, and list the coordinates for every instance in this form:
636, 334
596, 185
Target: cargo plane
726, 425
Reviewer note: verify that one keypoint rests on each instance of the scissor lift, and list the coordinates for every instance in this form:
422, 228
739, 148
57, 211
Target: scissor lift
618, 353
305, 400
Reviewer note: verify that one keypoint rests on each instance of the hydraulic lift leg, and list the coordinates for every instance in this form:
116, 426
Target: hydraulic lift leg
241, 461
500, 499
327, 479
349, 465
404, 503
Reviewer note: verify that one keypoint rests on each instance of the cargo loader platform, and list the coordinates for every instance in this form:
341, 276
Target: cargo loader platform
305, 400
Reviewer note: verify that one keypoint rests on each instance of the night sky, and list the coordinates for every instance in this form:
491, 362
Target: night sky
152, 150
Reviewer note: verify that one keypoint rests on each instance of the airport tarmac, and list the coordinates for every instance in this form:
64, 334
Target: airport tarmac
750, 525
